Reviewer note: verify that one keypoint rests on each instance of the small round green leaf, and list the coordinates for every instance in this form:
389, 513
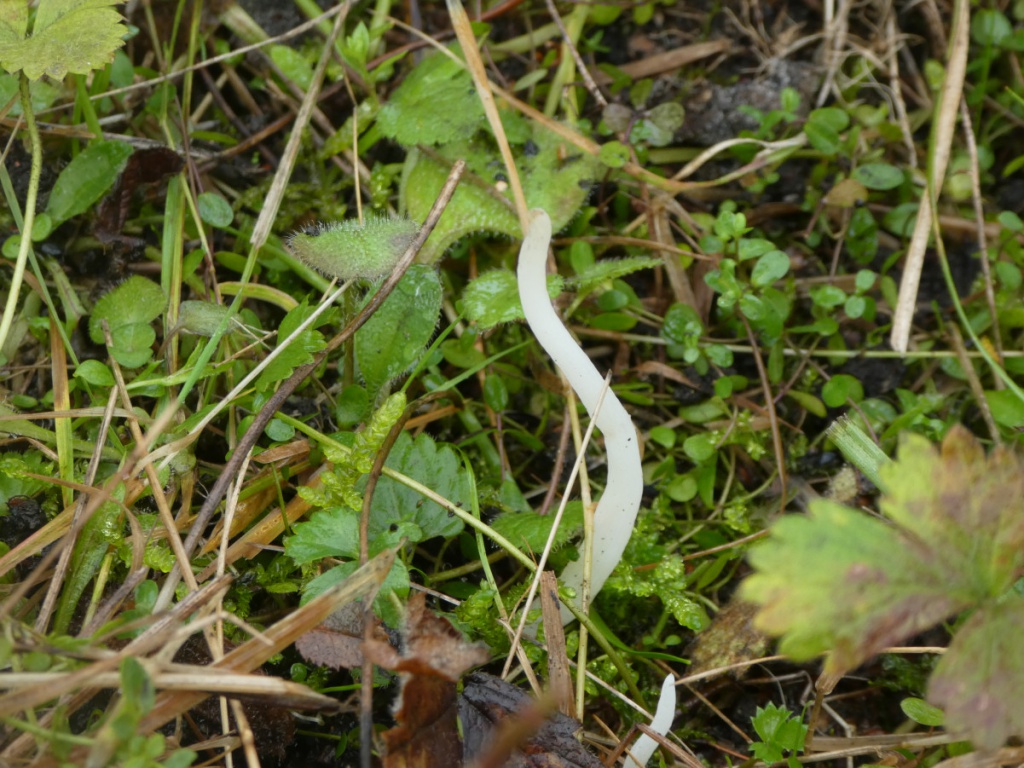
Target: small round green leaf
770, 267
614, 154
95, 373
215, 210
921, 712
841, 389
878, 176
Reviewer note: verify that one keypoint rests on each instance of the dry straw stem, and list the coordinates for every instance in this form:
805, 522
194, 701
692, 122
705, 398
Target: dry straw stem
460, 23
940, 143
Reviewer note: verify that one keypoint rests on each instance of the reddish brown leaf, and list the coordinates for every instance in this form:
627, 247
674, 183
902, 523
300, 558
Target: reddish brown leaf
435, 656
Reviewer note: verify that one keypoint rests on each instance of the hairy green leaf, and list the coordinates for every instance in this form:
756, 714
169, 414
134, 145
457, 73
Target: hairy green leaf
493, 298
435, 104
349, 249
68, 36
398, 332
611, 269
555, 177
128, 310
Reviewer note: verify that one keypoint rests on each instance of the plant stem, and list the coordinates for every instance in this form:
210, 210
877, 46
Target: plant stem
30, 210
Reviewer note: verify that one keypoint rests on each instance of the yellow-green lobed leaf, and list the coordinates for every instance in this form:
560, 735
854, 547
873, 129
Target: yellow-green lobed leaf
68, 36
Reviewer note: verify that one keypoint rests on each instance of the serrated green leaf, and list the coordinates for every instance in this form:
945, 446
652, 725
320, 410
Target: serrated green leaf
493, 298
979, 679
957, 539
86, 178
398, 332
964, 506
397, 582
68, 36
873, 586
332, 532
438, 468
779, 730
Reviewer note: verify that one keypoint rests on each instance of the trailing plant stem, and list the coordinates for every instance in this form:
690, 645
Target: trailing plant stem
30, 210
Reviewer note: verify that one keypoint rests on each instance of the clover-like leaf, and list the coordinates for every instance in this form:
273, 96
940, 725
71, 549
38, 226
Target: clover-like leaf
979, 679
67, 36
837, 580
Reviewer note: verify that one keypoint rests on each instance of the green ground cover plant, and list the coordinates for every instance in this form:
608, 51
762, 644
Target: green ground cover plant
269, 376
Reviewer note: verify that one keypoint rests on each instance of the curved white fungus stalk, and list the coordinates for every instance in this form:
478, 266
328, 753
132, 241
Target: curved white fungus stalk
663, 716
616, 511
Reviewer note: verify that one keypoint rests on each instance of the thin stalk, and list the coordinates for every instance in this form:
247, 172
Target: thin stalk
30, 210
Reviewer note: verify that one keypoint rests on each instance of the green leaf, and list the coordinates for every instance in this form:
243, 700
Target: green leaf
614, 154
827, 296
348, 249
780, 732
610, 269
920, 711
436, 466
957, 538
435, 104
555, 177
493, 298
990, 27
68, 36
14, 468
823, 128
86, 178
129, 309
339, 486
1007, 408
299, 352
529, 531
95, 373
332, 532
99, 533
770, 266
215, 210
397, 582
841, 389
393, 339
293, 65
979, 679
880, 176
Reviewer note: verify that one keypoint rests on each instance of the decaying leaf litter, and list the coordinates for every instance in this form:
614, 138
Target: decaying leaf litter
740, 195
